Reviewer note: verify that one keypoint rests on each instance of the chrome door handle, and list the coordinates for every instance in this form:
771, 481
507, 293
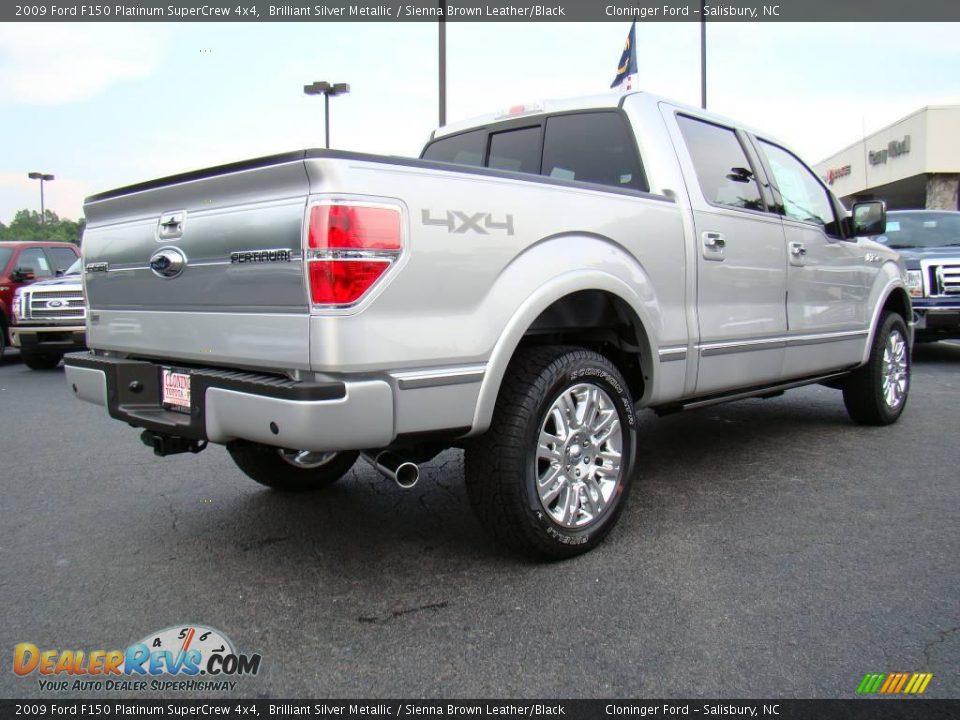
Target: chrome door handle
714, 241
797, 250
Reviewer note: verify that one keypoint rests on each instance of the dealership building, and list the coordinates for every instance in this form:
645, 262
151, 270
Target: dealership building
913, 163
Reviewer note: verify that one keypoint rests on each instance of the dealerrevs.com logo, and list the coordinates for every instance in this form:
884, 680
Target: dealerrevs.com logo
183, 657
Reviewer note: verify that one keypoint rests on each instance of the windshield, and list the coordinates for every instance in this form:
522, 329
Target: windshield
921, 230
75, 268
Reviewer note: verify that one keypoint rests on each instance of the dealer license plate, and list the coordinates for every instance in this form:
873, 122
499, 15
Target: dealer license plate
175, 388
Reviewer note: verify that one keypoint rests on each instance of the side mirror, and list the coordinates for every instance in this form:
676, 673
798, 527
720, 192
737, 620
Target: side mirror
21, 275
869, 218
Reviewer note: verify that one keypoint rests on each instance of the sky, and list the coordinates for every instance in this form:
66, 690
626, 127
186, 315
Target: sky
105, 105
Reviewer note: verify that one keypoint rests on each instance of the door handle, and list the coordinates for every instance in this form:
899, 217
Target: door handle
714, 241
797, 249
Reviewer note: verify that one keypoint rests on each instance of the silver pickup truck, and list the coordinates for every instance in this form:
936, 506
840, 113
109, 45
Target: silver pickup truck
520, 291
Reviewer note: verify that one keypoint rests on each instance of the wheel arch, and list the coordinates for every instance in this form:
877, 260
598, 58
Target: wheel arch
558, 312
893, 297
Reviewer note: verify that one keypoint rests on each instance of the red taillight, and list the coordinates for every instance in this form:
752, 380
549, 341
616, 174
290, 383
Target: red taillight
348, 227
341, 282
349, 248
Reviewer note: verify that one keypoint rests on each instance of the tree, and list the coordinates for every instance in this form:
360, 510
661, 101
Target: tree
26, 225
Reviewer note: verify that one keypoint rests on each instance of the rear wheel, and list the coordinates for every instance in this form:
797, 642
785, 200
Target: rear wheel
290, 470
876, 393
550, 477
41, 361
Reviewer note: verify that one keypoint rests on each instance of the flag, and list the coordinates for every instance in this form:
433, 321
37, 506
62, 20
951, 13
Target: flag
627, 67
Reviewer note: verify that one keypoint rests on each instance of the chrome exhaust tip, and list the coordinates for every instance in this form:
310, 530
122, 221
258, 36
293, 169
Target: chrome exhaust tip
404, 473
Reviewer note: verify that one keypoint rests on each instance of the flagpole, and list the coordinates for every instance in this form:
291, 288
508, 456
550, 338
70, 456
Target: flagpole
443, 67
703, 54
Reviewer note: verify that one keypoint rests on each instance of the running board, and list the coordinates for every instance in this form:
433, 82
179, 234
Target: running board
767, 391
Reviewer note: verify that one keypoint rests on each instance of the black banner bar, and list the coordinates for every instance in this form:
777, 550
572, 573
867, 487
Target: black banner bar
480, 11
860, 709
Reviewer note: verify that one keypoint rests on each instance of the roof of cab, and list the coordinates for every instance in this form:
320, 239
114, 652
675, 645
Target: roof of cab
35, 243
590, 102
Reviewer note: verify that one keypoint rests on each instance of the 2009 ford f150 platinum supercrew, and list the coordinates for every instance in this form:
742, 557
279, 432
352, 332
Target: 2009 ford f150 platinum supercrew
520, 291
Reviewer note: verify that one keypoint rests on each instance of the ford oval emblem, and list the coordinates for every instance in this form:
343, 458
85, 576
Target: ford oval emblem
54, 304
168, 262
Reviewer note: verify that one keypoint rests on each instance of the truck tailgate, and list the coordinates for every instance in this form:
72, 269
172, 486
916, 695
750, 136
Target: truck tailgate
205, 266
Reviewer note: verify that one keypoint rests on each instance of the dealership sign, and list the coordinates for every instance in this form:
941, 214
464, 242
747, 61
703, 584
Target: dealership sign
835, 173
894, 148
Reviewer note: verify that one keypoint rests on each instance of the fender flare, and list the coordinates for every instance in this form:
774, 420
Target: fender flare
891, 286
535, 303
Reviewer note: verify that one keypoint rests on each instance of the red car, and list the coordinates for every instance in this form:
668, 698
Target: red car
21, 263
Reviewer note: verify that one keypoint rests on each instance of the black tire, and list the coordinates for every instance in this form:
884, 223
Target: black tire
41, 361
502, 466
3, 336
863, 392
267, 466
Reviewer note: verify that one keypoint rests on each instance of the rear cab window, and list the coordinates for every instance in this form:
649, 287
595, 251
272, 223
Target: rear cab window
516, 150
464, 149
594, 146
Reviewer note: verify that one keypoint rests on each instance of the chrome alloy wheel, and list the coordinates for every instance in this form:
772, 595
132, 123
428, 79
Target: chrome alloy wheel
306, 459
578, 456
894, 370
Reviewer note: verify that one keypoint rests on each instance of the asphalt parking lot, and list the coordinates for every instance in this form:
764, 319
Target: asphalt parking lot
770, 549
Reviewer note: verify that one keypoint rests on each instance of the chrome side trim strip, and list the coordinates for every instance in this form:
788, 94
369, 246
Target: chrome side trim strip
417, 379
774, 343
740, 347
798, 340
672, 353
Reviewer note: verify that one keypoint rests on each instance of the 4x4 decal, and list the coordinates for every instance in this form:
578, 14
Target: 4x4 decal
460, 222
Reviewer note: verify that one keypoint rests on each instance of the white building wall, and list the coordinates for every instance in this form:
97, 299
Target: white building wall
934, 148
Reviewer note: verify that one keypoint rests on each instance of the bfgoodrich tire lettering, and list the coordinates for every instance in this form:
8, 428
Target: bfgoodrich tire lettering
542, 485
876, 393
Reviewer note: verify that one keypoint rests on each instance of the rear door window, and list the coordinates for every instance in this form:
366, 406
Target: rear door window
463, 149
592, 147
516, 150
723, 170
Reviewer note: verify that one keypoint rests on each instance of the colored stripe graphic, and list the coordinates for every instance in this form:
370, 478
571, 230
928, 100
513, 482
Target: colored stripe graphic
913, 684
888, 683
900, 682
894, 683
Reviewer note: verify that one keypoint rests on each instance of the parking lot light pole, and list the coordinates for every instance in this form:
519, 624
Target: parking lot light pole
42, 177
326, 89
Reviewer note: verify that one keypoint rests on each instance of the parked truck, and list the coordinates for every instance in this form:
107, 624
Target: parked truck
929, 243
49, 319
23, 263
521, 290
